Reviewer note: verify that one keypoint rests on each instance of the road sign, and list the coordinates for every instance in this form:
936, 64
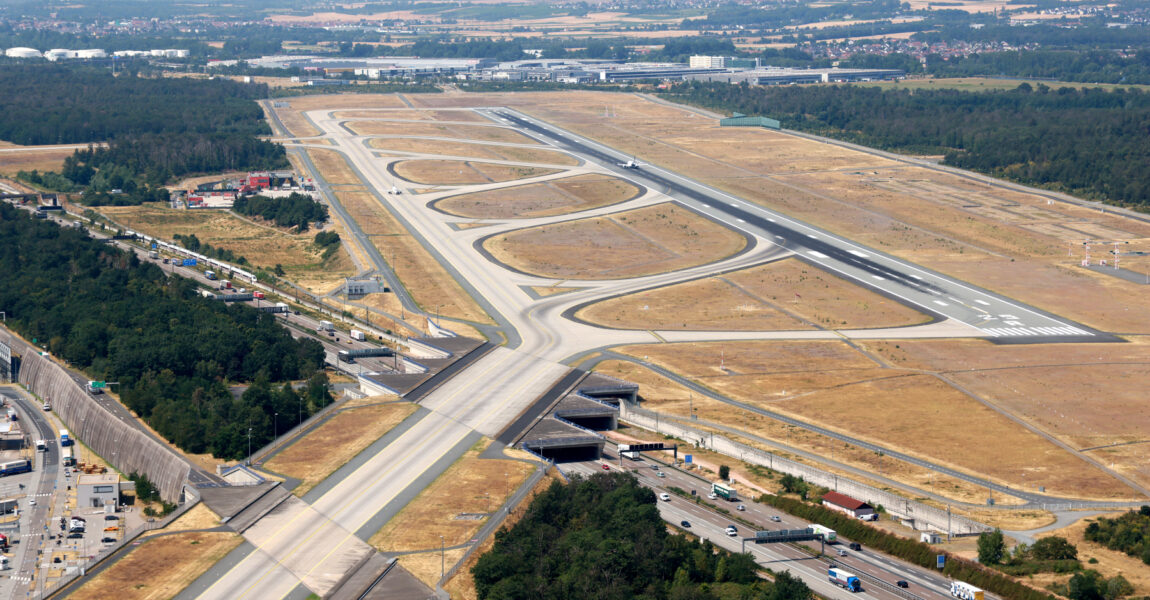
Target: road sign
687, 458
642, 447
189, 262
941, 559
97, 384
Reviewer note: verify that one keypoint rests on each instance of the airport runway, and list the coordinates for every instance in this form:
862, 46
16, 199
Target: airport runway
987, 314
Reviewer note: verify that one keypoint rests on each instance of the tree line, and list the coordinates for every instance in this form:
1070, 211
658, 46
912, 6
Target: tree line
1089, 142
1129, 533
176, 354
601, 538
296, 210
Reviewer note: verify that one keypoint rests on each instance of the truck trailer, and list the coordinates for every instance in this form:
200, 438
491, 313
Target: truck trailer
65, 439
725, 492
841, 578
829, 534
357, 335
965, 591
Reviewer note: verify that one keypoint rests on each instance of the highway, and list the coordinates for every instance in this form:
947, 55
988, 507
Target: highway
987, 314
709, 523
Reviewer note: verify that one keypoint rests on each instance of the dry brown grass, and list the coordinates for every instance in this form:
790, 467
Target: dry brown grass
906, 410
1110, 562
331, 445
669, 398
655, 239
481, 133
414, 115
160, 567
263, 245
199, 517
555, 197
429, 283
474, 150
786, 294
462, 586
32, 158
454, 172
470, 486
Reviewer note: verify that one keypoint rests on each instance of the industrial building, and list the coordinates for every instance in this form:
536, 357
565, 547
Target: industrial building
845, 504
98, 490
23, 53
709, 62
777, 76
372, 68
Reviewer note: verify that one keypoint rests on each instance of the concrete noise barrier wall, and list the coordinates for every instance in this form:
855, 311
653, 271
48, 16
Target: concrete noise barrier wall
924, 516
125, 447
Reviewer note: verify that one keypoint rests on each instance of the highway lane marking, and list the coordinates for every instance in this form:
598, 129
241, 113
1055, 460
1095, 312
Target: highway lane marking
817, 254
982, 302
879, 277
941, 303
859, 254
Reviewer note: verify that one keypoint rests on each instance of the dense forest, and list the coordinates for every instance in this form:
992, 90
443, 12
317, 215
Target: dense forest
1089, 142
296, 210
155, 129
1129, 533
602, 538
174, 353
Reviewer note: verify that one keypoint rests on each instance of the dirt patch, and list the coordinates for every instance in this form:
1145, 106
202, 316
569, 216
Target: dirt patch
782, 295
337, 441
555, 197
427, 281
908, 411
655, 239
465, 132
454, 172
160, 567
455, 506
474, 150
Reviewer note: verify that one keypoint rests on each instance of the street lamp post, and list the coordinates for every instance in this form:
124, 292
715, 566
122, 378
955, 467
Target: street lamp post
249, 446
442, 560
275, 427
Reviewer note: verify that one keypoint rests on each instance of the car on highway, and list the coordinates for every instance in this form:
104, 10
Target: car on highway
47, 407
775, 518
606, 467
842, 552
660, 474
685, 523
855, 546
111, 518
109, 540
665, 497
732, 530
712, 496
902, 583
741, 507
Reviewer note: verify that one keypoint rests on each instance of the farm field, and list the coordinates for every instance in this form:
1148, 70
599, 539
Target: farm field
555, 197
650, 240
786, 294
14, 159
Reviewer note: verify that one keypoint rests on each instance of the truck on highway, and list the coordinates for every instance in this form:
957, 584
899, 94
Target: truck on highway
153, 255
965, 591
325, 326
357, 335
829, 534
259, 295
211, 275
843, 579
725, 492
67, 456
65, 438
41, 445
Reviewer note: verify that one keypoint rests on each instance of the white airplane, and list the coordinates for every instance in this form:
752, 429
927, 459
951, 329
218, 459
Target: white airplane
394, 190
631, 164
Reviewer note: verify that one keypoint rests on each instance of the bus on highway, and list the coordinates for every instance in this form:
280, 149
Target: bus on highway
13, 467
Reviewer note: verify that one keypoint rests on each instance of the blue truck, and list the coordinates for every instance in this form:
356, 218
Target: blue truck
841, 578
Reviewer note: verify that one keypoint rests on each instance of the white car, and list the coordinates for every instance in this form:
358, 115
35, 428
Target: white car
665, 497
732, 531
712, 496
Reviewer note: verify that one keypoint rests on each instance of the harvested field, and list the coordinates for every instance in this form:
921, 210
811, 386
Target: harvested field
474, 150
482, 133
29, 158
555, 197
655, 239
818, 380
331, 445
344, 101
429, 283
160, 567
471, 486
454, 172
262, 245
782, 295
334, 167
